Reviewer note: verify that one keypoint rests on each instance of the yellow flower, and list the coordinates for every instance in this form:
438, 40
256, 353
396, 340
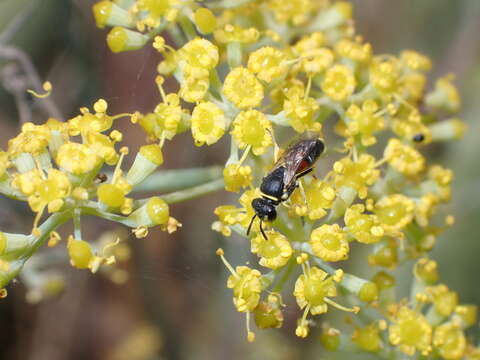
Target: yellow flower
339, 82
268, 315
295, 11
385, 254
415, 61
444, 300
426, 270
300, 111
442, 178
385, 75
394, 211
368, 337
319, 196
198, 53
77, 159
412, 126
410, 331
312, 288
88, 122
445, 95
307, 43
317, 60
235, 33
404, 158
365, 228
153, 10
329, 243
194, 88
425, 209
354, 50
364, 122
166, 119
111, 195
450, 341
414, 86
103, 146
33, 139
273, 252
50, 192
357, 175
228, 215
246, 288
80, 253
236, 177
267, 63
242, 88
208, 123
252, 128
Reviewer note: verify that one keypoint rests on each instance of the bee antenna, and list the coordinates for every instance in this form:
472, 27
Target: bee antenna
250, 225
261, 229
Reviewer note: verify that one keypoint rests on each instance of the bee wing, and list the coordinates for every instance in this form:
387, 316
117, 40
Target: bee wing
292, 161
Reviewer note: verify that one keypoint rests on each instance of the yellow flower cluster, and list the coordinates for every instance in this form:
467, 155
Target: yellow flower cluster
58, 168
253, 72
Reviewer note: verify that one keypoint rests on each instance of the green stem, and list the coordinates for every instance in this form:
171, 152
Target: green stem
227, 4
193, 192
173, 180
286, 275
15, 266
187, 27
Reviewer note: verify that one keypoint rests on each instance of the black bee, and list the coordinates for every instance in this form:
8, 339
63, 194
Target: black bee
278, 185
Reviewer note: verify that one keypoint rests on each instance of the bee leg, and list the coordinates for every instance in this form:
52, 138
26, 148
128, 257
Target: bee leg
261, 229
302, 191
276, 148
250, 225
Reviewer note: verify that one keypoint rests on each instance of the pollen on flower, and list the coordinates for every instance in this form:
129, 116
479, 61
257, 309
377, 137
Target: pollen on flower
237, 177
77, 159
410, 331
357, 175
364, 122
300, 111
365, 228
246, 287
242, 88
311, 290
385, 75
339, 82
252, 128
450, 341
404, 158
208, 123
394, 211
319, 196
273, 252
267, 63
329, 243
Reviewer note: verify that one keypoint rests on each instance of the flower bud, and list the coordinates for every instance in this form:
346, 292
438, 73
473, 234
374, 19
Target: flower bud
146, 162
107, 13
120, 39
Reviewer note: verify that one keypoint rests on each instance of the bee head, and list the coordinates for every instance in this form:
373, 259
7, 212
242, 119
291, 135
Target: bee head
265, 209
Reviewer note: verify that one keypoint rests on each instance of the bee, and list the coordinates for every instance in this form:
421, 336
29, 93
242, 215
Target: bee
279, 183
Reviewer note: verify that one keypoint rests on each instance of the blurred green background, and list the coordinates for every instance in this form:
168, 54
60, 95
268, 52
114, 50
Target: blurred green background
175, 304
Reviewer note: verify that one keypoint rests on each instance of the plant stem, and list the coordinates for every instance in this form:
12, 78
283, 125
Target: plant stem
193, 192
172, 180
